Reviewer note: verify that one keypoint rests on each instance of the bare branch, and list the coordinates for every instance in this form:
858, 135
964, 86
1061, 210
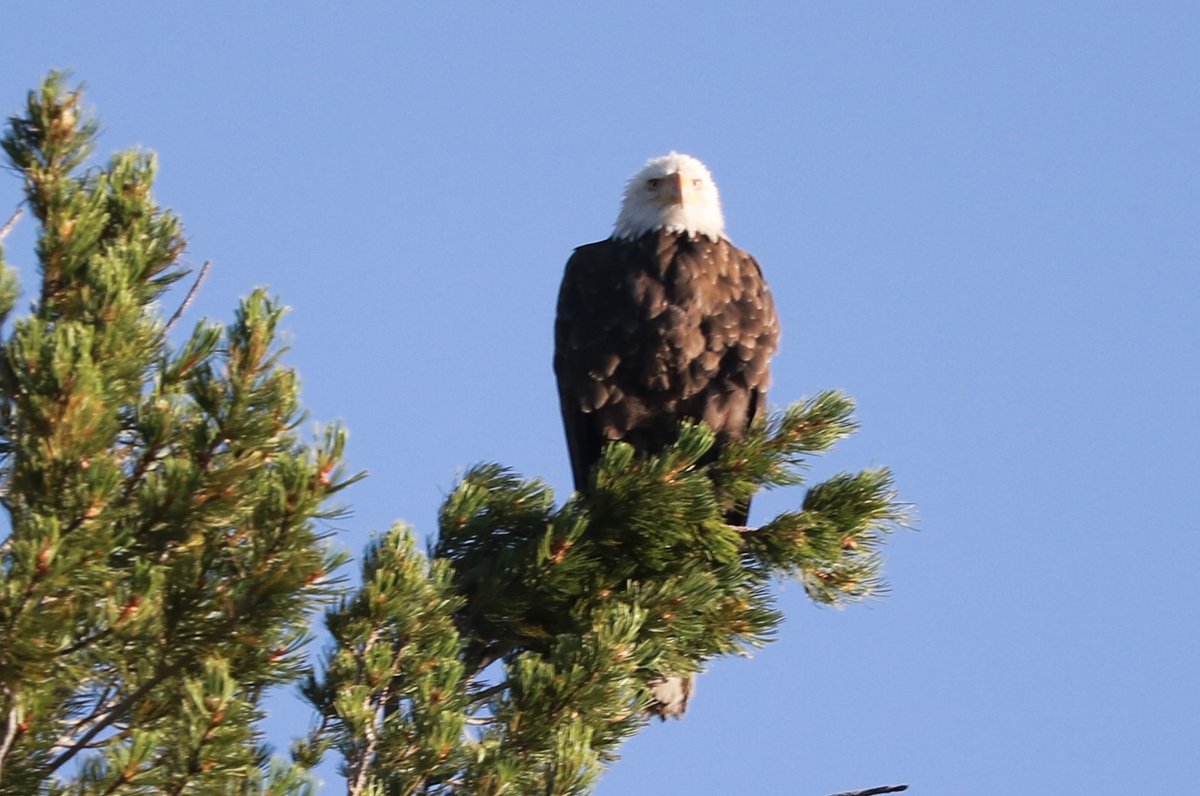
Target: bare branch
360, 771
10, 732
874, 791
187, 300
479, 722
12, 222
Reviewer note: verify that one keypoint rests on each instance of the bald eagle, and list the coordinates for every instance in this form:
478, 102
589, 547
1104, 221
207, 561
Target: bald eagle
665, 320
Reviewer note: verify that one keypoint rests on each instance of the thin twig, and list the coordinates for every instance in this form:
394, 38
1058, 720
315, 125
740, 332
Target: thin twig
84, 642
103, 707
490, 691
488, 655
874, 791
106, 718
187, 300
12, 222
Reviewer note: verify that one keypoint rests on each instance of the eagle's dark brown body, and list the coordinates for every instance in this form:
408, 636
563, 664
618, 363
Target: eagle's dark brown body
655, 330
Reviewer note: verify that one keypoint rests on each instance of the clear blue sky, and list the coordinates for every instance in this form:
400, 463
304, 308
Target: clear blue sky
982, 220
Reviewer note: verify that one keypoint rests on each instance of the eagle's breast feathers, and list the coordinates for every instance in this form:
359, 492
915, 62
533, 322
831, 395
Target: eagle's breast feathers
657, 329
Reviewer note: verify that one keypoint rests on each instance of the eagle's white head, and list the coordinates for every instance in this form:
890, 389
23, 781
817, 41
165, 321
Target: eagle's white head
674, 192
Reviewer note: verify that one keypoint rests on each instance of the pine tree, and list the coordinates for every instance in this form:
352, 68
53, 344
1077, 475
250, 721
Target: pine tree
162, 550
516, 656
161, 553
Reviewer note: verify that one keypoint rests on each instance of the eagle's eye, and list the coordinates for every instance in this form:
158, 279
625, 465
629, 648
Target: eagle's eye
652, 183
696, 183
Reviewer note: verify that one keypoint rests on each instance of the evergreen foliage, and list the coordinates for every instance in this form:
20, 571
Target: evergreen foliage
162, 552
540, 628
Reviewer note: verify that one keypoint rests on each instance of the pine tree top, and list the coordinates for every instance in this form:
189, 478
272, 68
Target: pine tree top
164, 551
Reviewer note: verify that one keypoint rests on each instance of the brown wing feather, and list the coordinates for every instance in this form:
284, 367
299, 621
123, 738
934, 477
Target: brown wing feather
653, 331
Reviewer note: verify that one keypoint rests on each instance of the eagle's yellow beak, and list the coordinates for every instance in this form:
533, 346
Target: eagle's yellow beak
676, 190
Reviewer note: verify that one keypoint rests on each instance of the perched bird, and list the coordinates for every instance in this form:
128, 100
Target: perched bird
663, 321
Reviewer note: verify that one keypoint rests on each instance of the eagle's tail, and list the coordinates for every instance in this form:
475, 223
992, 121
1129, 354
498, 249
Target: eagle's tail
671, 695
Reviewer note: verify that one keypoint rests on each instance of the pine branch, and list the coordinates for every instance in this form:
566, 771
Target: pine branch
12, 222
114, 788
158, 499
11, 721
191, 294
477, 721
359, 773
487, 657
105, 719
491, 691
586, 605
103, 709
